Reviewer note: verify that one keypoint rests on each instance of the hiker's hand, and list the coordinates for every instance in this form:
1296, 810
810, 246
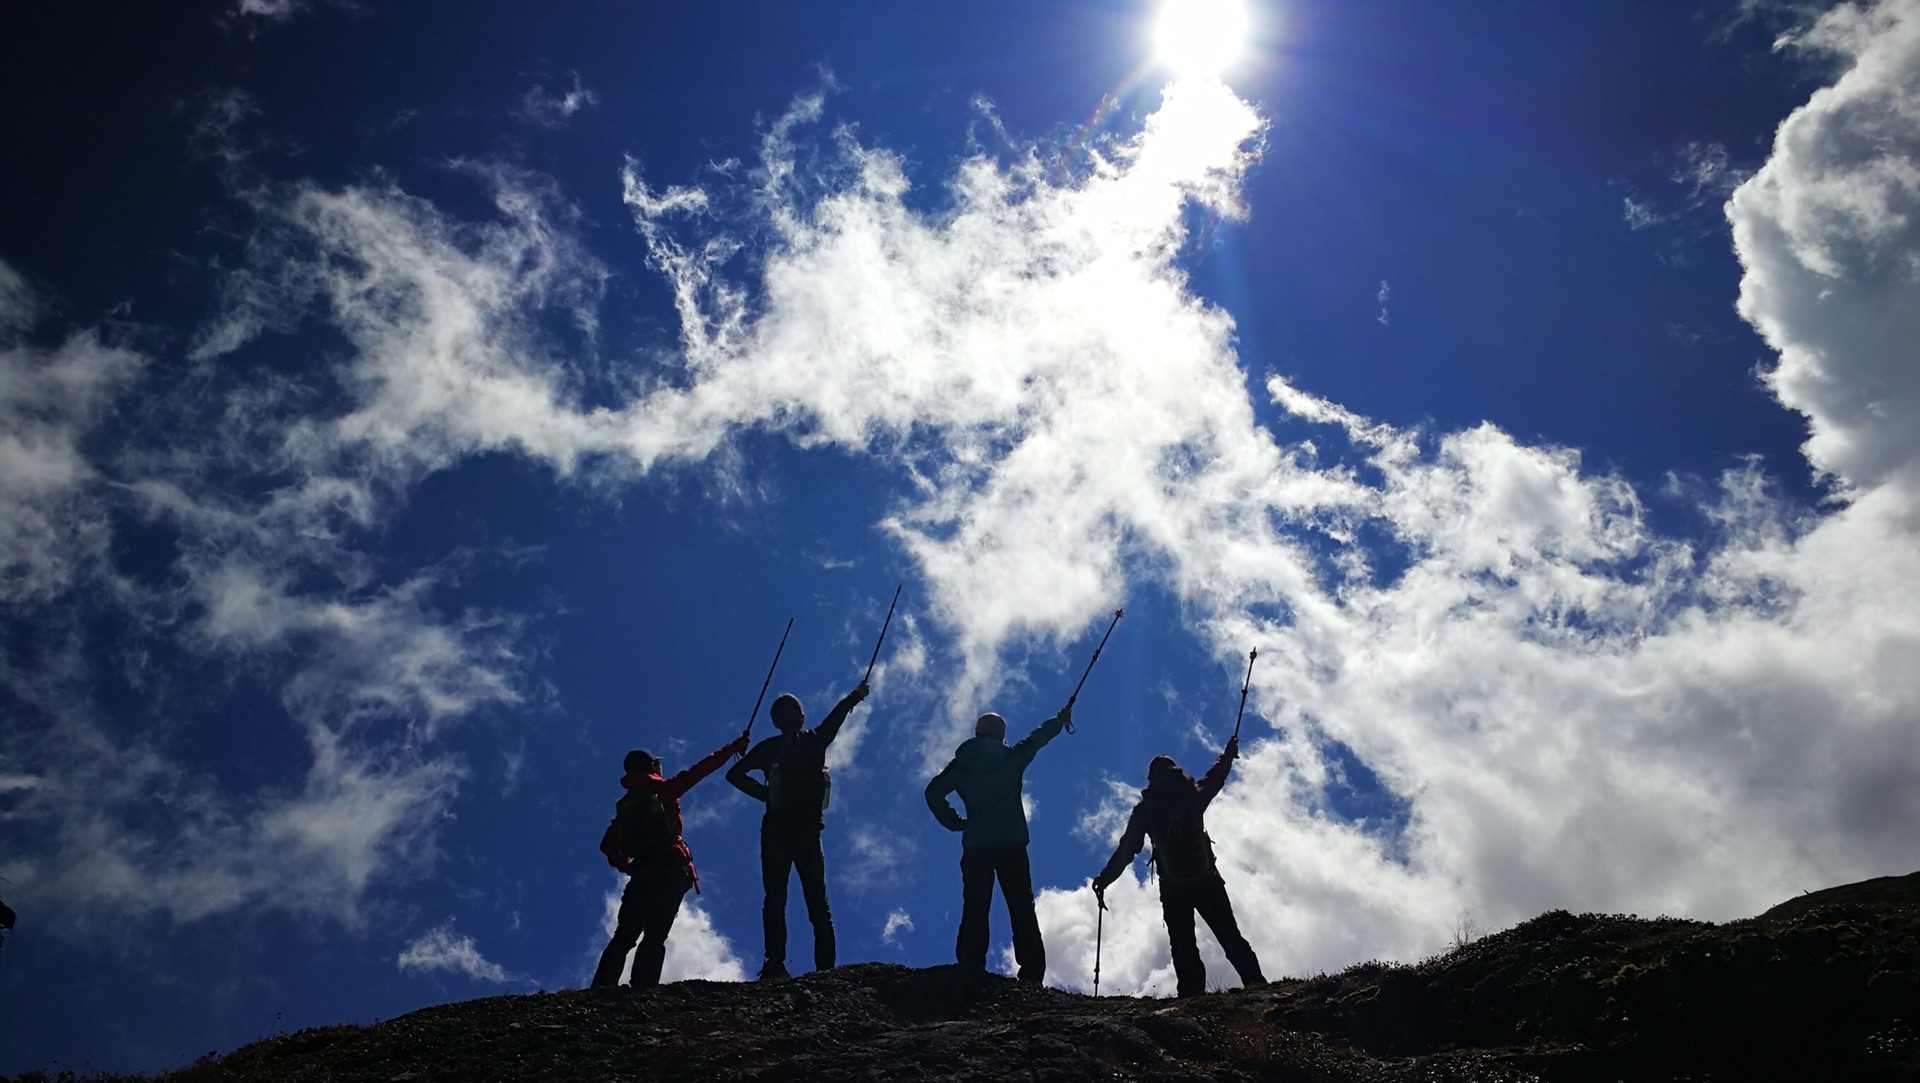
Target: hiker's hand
1233, 748
1100, 895
1066, 713
739, 746
860, 692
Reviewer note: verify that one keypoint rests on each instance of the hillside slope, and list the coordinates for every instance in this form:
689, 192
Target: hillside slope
1824, 986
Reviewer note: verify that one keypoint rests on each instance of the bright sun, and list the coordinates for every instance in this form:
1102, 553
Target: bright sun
1199, 38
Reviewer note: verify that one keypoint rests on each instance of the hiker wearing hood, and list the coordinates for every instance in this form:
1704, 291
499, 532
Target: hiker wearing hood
1170, 813
796, 790
987, 772
644, 842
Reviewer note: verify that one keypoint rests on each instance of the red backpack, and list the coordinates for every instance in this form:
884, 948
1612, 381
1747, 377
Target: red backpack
639, 829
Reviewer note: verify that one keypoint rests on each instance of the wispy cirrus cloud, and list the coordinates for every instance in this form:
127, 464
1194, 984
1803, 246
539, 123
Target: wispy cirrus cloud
441, 950
549, 109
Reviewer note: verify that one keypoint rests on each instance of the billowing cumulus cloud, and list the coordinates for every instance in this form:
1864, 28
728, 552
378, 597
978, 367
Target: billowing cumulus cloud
1828, 232
695, 949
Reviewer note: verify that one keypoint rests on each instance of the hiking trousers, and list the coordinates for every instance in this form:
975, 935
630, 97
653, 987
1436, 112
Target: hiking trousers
1208, 898
979, 867
647, 910
785, 846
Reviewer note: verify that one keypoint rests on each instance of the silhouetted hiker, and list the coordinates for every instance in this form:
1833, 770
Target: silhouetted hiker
796, 790
1170, 812
644, 842
993, 838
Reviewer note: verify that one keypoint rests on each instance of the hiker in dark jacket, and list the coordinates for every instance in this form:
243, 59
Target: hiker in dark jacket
645, 843
1170, 813
993, 840
794, 762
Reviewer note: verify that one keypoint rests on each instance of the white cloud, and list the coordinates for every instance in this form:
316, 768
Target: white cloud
441, 949
1828, 232
898, 921
876, 859
117, 828
273, 10
549, 110
52, 528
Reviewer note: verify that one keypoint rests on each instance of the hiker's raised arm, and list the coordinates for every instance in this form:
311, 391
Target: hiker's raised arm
1032, 743
1216, 776
685, 780
830, 727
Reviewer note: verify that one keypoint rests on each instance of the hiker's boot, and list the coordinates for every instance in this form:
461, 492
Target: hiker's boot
774, 971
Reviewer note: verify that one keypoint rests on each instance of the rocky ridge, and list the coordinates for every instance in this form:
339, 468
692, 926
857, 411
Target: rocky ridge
1823, 986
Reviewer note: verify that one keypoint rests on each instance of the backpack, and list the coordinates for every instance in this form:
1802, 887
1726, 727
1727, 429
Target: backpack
798, 783
640, 829
1182, 849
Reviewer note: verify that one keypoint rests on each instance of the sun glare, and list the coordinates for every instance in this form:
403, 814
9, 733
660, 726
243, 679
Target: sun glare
1200, 38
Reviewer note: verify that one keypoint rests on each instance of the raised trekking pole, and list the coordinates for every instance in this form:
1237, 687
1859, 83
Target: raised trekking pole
1117, 614
1251, 655
1099, 933
883, 635
769, 680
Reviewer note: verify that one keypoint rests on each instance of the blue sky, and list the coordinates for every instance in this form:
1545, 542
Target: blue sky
407, 409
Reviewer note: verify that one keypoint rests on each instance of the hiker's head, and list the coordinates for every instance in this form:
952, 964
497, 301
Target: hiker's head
991, 725
786, 713
641, 762
1162, 771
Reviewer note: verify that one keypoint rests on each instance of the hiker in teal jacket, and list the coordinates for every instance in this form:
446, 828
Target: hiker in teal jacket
987, 774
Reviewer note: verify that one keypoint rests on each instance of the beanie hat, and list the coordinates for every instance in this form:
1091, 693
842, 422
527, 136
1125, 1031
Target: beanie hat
990, 725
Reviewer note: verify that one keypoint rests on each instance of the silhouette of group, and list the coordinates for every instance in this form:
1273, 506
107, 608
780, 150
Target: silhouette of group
645, 842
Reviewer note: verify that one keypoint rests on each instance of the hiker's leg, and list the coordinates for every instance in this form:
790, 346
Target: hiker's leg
1176, 906
1214, 905
663, 906
1016, 885
776, 857
626, 932
810, 861
976, 896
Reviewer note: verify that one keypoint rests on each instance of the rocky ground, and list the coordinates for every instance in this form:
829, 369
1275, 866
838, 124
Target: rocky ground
1826, 986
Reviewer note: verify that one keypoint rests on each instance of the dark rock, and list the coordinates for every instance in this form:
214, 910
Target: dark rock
1826, 986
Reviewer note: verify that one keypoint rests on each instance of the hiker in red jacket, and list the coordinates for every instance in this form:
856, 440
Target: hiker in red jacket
644, 842
1170, 812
